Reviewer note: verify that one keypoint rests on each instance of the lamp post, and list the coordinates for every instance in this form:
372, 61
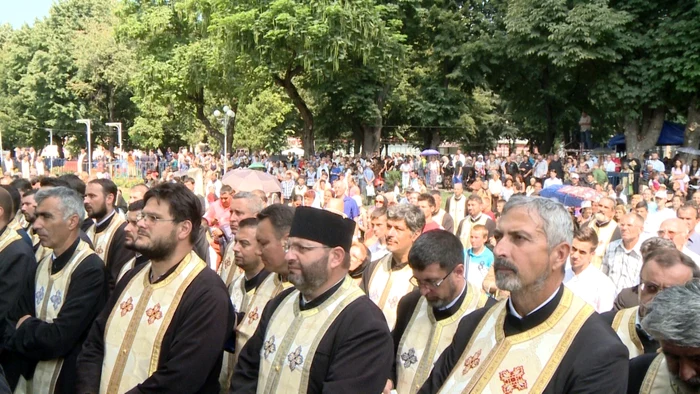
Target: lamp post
51, 144
86, 122
228, 114
118, 125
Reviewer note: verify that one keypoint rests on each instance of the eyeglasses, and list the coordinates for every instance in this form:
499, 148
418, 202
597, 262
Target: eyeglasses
661, 233
379, 202
433, 284
301, 249
150, 218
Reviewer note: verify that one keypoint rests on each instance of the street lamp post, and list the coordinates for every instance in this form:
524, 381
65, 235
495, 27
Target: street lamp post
86, 122
228, 114
118, 125
51, 144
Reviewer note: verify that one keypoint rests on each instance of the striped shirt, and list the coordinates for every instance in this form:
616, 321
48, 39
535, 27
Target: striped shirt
622, 266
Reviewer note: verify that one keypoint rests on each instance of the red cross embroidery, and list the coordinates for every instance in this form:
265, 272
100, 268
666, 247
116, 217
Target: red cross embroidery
154, 313
127, 306
513, 380
253, 315
472, 362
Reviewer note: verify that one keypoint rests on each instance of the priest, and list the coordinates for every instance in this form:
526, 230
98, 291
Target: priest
107, 232
323, 335
249, 293
387, 280
427, 318
56, 310
164, 327
243, 205
542, 338
673, 319
130, 234
662, 268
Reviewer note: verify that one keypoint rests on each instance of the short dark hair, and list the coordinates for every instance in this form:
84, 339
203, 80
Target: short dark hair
136, 206
248, 222
689, 207
225, 189
183, 204
436, 247
475, 198
16, 199
641, 204
6, 204
587, 234
427, 197
48, 181
280, 216
377, 213
22, 185
108, 187
669, 257
75, 183
29, 192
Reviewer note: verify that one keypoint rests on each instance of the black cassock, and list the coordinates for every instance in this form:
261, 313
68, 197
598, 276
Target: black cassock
649, 344
354, 355
37, 340
596, 361
192, 346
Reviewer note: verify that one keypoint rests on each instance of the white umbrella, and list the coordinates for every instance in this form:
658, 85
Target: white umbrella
294, 151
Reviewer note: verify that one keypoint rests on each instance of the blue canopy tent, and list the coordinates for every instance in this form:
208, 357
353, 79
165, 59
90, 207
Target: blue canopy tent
671, 134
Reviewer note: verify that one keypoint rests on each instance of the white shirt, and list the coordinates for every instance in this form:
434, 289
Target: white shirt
550, 182
609, 166
594, 287
654, 220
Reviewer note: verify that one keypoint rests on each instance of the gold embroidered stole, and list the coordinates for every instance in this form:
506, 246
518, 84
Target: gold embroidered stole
604, 235
525, 362
15, 224
658, 379
624, 325
103, 240
8, 237
23, 223
228, 271
467, 226
425, 339
50, 295
126, 268
136, 326
293, 336
251, 304
386, 287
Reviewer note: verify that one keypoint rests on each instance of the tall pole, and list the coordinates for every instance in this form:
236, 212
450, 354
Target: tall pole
86, 122
225, 140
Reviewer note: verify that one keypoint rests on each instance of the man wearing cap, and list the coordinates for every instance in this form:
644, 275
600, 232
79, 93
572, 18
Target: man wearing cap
662, 211
323, 335
574, 179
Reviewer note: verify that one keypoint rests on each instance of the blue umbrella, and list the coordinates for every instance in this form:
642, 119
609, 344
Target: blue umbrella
566, 199
429, 152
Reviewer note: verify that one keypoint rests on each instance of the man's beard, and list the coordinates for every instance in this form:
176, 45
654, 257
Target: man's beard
159, 249
99, 213
511, 281
691, 386
311, 277
131, 245
29, 218
440, 303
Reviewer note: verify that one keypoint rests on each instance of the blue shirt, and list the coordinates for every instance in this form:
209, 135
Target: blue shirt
477, 266
369, 174
350, 207
335, 173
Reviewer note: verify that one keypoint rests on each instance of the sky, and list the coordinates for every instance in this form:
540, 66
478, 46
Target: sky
18, 12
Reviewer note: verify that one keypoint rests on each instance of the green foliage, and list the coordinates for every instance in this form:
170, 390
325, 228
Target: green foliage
260, 123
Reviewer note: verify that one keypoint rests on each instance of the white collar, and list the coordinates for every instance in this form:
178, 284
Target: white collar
513, 312
451, 304
101, 222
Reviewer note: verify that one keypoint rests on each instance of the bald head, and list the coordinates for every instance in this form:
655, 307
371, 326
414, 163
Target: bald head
137, 192
675, 230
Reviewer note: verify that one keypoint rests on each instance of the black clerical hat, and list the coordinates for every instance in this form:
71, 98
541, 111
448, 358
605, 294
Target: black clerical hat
323, 227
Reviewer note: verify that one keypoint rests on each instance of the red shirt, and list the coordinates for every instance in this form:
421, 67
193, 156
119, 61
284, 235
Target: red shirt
431, 226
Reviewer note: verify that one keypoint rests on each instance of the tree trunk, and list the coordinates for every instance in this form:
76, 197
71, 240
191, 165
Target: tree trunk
356, 140
287, 84
642, 136
551, 133
692, 126
198, 101
435, 139
371, 141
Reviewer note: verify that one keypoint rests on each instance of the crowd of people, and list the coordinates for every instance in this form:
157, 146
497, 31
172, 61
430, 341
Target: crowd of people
403, 274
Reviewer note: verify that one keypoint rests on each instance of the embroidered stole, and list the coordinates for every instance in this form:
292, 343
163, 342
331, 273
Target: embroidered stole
136, 326
457, 209
293, 336
386, 287
228, 271
624, 325
658, 379
8, 237
103, 240
15, 223
525, 362
466, 230
251, 304
50, 295
126, 268
425, 339
604, 235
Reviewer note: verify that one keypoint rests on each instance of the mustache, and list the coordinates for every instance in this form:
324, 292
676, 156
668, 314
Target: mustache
500, 263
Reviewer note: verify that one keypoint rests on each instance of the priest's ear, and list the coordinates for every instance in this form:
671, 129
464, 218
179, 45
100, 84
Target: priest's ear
184, 230
559, 255
338, 258
73, 222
